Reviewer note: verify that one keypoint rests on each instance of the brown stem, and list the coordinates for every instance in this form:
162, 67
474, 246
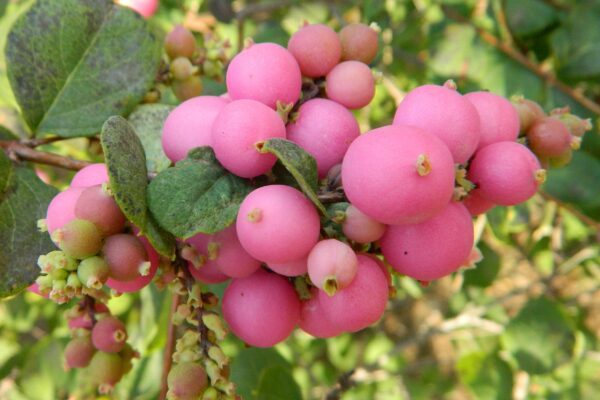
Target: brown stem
522, 59
344, 383
590, 221
20, 151
169, 348
331, 197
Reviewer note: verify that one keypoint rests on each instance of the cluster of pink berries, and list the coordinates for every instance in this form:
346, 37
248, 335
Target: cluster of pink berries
99, 344
96, 245
412, 186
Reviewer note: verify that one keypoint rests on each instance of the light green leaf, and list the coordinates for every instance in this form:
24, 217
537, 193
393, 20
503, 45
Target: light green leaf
147, 121
486, 375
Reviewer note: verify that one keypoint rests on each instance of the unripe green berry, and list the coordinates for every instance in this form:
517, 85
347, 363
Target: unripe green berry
56, 260
188, 88
181, 68
78, 239
187, 380
79, 352
93, 272
106, 368
180, 43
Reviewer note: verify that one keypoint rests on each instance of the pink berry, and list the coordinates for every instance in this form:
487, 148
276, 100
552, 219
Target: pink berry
549, 137
476, 204
433, 248
290, 268
189, 125
94, 174
261, 309
199, 267
381, 266
225, 251
79, 352
332, 265
529, 112
324, 129
506, 173
446, 114
264, 72
361, 228
61, 209
96, 205
146, 8
109, 335
498, 117
351, 84
398, 174
237, 131
126, 257
317, 49
141, 281
277, 224
313, 320
359, 42
360, 304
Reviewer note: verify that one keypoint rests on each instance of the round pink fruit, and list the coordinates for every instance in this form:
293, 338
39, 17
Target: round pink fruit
262, 309
398, 174
361, 228
351, 84
94, 174
433, 248
498, 117
332, 265
313, 320
61, 209
325, 129
317, 48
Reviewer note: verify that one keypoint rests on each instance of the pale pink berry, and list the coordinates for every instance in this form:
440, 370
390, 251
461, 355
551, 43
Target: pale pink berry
237, 133
290, 268
398, 174
141, 281
361, 228
360, 304
317, 48
96, 205
498, 117
61, 209
476, 204
264, 72
262, 309
332, 265
351, 84
325, 130
313, 320
126, 257
277, 224
146, 8
444, 113
433, 248
189, 125
109, 335
94, 174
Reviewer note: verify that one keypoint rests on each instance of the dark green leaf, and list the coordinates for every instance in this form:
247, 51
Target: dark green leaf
540, 337
6, 173
147, 121
6, 134
128, 175
299, 163
74, 63
577, 183
486, 270
248, 366
277, 383
486, 375
197, 195
20, 209
528, 17
577, 43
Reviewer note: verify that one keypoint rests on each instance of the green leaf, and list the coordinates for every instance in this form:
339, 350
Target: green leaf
6, 172
128, 175
277, 383
299, 163
540, 337
74, 63
197, 195
22, 243
486, 375
147, 121
528, 17
248, 366
577, 183
486, 270
6, 134
577, 43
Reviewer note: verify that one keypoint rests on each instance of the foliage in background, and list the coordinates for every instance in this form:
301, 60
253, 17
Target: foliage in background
523, 324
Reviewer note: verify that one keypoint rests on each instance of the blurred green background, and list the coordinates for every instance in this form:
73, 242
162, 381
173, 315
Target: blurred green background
524, 324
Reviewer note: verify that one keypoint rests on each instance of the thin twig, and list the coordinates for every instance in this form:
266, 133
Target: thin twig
344, 383
517, 56
169, 347
590, 221
20, 151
